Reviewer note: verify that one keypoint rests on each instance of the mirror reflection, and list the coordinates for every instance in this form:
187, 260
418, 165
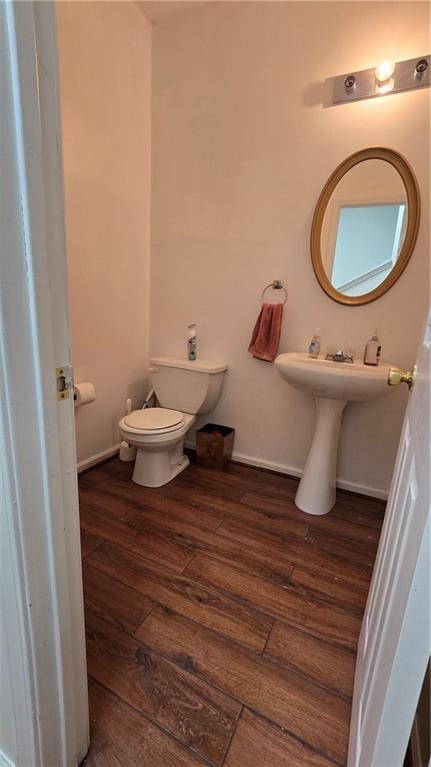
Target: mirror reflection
364, 227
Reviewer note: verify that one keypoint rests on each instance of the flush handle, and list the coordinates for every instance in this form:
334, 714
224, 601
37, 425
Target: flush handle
396, 376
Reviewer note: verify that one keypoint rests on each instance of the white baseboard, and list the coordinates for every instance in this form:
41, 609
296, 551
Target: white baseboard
5, 761
292, 471
249, 460
355, 487
87, 463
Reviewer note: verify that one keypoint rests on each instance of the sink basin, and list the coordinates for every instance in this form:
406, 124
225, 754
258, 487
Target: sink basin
333, 385
348, 381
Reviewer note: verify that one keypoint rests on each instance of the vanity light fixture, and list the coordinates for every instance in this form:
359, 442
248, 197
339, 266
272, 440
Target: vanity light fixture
387, 77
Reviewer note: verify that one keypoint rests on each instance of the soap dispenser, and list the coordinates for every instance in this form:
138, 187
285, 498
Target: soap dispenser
372, 350
191, 341
314, 347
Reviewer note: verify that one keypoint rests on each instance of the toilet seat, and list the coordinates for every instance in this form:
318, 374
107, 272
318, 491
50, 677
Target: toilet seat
154, 420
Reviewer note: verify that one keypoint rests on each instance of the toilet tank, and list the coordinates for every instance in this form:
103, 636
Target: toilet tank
186, 385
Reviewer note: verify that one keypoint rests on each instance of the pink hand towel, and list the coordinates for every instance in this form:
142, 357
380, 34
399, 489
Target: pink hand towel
266, 334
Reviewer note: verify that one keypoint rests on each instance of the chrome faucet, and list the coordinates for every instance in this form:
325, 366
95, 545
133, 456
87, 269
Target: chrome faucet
339, 356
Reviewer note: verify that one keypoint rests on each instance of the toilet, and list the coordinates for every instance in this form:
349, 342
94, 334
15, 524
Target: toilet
184, 389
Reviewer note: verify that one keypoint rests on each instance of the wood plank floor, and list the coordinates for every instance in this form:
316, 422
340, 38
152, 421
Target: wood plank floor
222, 622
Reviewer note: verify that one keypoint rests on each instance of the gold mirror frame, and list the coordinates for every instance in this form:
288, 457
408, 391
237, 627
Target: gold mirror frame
413, 201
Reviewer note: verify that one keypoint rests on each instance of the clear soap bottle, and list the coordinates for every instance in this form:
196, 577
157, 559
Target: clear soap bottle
314, 347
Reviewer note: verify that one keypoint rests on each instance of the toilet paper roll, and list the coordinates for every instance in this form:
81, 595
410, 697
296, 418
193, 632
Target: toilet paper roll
84, 393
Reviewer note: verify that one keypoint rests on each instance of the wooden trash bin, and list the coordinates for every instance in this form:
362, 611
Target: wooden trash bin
214, 446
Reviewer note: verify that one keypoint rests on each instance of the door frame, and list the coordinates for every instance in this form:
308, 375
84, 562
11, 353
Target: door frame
41, 605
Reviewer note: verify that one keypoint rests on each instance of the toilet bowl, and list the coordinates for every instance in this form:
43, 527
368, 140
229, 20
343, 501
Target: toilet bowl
184, 389
158, 434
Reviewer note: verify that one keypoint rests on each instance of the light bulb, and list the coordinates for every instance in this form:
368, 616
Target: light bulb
384, 70
386, 87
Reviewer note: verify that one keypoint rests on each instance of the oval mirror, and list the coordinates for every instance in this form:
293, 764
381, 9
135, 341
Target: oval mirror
365, 226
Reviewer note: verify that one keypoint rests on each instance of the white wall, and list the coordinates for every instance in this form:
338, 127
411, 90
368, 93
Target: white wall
105, 75
241, 149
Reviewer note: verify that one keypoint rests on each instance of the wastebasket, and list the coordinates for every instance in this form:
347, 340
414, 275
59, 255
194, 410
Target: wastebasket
214, 446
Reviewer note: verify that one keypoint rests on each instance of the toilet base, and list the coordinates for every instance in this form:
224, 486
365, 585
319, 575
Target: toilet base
157, 468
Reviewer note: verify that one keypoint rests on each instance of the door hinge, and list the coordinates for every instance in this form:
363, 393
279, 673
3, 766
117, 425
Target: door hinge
64, 377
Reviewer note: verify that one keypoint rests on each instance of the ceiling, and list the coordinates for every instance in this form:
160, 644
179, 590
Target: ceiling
159, 10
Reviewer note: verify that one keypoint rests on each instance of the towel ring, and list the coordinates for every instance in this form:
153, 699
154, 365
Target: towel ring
276, 285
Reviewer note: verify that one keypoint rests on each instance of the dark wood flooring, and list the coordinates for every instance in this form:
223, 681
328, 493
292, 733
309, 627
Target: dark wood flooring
222, 622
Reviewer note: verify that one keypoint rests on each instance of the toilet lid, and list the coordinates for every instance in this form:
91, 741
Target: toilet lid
153, 418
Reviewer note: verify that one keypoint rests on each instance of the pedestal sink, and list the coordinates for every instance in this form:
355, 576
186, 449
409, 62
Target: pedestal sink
333, 385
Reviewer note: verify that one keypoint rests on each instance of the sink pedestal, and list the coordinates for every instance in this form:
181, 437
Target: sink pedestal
316, 491
333, 385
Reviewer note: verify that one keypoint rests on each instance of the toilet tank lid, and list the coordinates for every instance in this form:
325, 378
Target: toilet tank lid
200, 366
